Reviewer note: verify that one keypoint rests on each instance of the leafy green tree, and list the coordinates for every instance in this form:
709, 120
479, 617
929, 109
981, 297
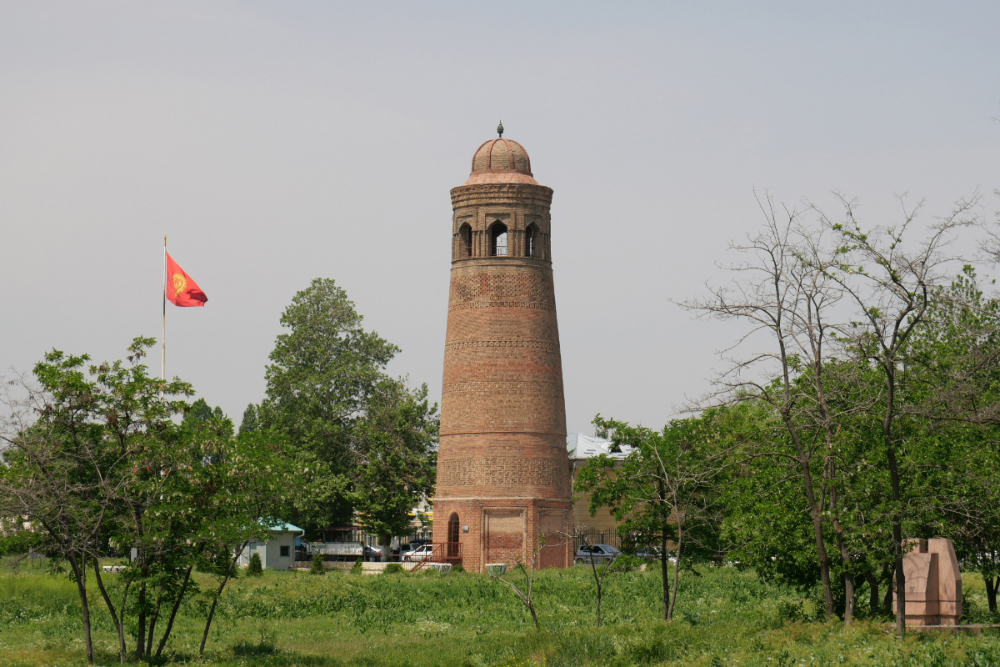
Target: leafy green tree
834, 386
250, 479
664, 489
954, 383
145, 512
363, 441
765, 517
395, 459
251, 420
201, 411
80, 443
94, 461
892, 281
317, 566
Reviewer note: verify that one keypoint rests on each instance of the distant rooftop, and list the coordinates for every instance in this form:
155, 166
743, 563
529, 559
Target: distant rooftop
582, 446
282, 527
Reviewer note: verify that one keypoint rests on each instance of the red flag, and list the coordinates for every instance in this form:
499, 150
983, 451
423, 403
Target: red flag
181, 290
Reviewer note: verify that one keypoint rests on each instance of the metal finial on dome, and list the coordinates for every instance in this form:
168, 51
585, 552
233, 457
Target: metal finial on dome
500, 129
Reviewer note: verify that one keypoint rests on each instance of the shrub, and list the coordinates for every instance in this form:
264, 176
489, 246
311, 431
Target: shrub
789, 611
19, 543
357, 568
393, 568
317, 565
255, 569
458, 568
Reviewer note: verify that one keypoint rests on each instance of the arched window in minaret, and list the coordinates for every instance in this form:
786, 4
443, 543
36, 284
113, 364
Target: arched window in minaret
453, 536
465, 237
531, 241
498, 239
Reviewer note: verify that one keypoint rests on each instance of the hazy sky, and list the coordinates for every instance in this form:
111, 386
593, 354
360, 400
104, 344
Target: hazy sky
278, 142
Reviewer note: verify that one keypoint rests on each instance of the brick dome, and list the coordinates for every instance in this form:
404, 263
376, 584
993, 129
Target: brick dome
501, 161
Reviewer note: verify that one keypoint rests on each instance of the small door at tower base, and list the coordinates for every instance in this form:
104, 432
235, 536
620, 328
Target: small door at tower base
507, 539
504, 535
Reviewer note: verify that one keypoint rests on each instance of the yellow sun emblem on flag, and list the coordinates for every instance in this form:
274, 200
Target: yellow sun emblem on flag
180, 284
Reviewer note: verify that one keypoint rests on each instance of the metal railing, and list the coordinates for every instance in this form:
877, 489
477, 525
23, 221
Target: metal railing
610, 537
441, 552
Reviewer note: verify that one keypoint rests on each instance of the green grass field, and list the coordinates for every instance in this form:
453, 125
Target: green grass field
724, 617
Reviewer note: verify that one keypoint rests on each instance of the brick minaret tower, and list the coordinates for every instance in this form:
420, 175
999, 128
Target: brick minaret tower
503, 484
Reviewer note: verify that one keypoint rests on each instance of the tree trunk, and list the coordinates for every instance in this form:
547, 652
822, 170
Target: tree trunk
677, 570
173, 611
803, 458
152, 622
534, 616
208, 622
597, 579
143, 559
111, 610
897, 539
991, 592
817, 519
80, 574
887, 598
873, 602
889, 366
177, 605
666, 574
838, 530
218, 594
140, 642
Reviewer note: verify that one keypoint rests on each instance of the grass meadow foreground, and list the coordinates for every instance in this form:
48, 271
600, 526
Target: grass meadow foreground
724, 617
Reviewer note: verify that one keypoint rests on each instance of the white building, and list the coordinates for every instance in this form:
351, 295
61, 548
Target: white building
582, 447
278, 553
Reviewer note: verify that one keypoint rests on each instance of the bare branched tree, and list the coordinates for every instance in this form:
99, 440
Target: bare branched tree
782, 290
525, 566
600, 570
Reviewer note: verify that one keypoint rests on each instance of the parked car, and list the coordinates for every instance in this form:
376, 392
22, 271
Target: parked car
373, 554
648, 552
596, 553
653, 554
423, 552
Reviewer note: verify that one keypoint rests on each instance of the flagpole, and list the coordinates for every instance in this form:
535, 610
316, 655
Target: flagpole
163, 340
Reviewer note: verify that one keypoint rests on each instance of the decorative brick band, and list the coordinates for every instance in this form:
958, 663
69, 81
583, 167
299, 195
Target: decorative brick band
497, 472
547, 346
520, 387
537, 305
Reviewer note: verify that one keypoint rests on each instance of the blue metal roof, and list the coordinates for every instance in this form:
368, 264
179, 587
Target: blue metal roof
284, 527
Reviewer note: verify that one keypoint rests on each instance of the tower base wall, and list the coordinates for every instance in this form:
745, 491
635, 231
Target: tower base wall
506, 530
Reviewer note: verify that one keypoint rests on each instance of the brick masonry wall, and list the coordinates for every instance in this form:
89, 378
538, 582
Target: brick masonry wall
503, 468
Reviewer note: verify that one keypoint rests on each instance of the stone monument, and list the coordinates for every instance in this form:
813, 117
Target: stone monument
503, 483
933, 583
